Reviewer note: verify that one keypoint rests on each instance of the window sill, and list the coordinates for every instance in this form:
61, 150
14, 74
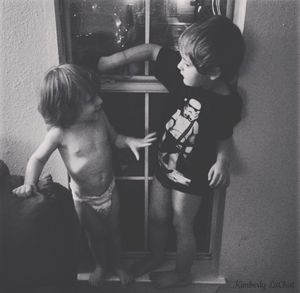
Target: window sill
132, 84
203, 272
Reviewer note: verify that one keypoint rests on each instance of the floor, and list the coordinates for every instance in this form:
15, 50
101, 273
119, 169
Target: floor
115, 287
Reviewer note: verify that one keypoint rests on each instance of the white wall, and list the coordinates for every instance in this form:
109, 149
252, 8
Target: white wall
28, 48
260, 228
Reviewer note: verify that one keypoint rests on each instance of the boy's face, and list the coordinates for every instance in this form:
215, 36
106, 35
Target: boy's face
90, 109
191, 77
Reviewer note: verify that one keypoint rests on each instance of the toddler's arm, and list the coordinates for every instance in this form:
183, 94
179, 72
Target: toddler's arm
37, 162
135, 54
218, 174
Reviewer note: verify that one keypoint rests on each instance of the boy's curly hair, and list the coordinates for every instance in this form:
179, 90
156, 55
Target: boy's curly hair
64, 89
217, 42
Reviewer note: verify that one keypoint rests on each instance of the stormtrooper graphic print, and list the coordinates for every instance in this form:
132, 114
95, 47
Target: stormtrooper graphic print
178, 141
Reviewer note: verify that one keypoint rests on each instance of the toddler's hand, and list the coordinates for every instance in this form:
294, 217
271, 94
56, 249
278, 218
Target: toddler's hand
24, 190
135, 143
218, 175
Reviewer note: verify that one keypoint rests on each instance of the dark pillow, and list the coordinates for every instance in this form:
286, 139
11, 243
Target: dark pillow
40, 237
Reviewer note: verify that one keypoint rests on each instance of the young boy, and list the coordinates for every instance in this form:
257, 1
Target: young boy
195, 144
78, 127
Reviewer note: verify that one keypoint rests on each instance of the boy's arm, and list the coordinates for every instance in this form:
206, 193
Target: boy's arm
122, 141
37, 162
135, 54
218, 174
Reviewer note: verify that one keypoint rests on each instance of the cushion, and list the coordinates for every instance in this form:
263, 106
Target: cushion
40, 236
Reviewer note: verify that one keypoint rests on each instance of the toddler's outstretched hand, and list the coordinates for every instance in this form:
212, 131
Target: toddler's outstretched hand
24, 190
136, 143
218, 175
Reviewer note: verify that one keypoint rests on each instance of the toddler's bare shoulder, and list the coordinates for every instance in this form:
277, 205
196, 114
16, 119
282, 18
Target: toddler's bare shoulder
55, 133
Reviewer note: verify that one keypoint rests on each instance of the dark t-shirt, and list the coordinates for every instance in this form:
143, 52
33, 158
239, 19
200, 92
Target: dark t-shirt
195, 119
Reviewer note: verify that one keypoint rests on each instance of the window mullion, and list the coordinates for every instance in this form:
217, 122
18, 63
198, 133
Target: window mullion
146, 169
146, 172
147, 30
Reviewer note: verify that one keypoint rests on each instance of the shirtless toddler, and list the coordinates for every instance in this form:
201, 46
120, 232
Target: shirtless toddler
78, 127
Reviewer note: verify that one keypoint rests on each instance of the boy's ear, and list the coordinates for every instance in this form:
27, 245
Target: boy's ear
214, 73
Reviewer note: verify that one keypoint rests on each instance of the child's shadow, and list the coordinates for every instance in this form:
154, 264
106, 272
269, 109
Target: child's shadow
237, 164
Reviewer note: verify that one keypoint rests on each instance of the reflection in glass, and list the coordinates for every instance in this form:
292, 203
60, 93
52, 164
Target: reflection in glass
168, 19
102, 27
95, 28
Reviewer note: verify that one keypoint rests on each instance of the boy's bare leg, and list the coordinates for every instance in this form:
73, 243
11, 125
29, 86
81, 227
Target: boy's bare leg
185, 207
115, 241
96, 231
159, 220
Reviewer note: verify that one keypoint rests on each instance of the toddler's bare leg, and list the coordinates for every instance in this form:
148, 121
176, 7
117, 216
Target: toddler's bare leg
96, 231
185, 207
159, 220
115, 241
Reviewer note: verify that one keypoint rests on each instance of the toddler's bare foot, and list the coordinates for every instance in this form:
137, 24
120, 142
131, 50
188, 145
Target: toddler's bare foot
97, 277
167, 279
125, 276
145, 266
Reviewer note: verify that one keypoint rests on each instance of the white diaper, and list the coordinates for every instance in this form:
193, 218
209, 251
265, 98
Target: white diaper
100, 203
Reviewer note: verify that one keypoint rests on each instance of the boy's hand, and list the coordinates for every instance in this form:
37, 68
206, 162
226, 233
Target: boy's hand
135, 143
218, 175
24, 190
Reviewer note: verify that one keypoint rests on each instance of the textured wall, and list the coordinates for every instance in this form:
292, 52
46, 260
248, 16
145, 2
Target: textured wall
28, 48
260, 229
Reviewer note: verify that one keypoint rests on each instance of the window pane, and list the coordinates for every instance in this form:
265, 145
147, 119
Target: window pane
101, 27
158, 107
132, 214
202, 224
94, 28
126, 113
168, 19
